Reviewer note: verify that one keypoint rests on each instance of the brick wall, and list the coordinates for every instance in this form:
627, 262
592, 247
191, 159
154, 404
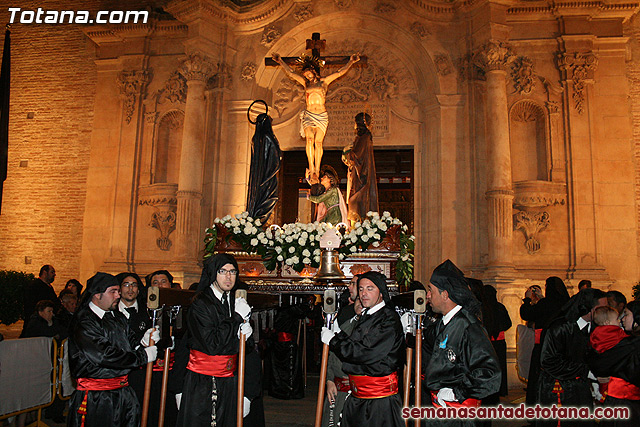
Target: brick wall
632, 30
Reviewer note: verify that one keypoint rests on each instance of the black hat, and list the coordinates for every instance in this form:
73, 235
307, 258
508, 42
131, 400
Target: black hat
378, 279
448, 277
211, 267
100, 282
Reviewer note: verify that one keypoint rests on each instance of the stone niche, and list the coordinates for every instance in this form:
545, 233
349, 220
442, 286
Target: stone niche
529, 142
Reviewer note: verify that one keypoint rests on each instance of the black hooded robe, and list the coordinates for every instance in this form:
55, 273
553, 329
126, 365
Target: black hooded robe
214, 332
375, 348
463, 359
104, 348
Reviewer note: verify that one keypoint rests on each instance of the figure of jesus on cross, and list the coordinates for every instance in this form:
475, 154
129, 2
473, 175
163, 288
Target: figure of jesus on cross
315, 118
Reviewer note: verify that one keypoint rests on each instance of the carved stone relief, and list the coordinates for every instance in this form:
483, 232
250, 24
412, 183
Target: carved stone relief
443, 64
343, 4
531, 224
419, 30
248, 71
174, 90
165, 222
494, 55
303, 13
196, 67
523, 75
270, 35
578, 67
385, 8
132, 84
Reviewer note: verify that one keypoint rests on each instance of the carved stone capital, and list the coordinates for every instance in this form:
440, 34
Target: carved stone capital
531, 224
196, 67
131, 85
165, 222
175, 89
578, 68
523, 75
494, 55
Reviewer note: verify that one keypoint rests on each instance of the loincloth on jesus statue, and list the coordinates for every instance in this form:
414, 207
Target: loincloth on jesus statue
313, 120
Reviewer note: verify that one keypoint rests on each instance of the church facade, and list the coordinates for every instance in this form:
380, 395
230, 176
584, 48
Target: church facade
127, 140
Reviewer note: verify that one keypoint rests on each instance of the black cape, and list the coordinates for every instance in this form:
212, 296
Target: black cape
103, 348
375, 348
213, 331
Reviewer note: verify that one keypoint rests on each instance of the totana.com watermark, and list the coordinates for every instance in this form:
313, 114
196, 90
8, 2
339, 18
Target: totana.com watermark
42, 16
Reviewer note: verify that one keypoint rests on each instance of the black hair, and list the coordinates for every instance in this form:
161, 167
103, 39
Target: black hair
617, 296
45, 269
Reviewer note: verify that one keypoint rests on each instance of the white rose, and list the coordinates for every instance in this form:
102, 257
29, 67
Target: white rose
386, 214
236, 230
226, 218
316, 258
289, 261
288, 239
317, 251
376, 244
302, 241
353, 249
258, 223
305, 234
235, 222
353, 238
306, 261
295, 260
412, 238
292, 249
279, 258
254, 242
370, 232
365, 238
312, 238
383, 226
306, 252
376, 236
369, 213
359, 231
278, 249
244, 214
341, 256
216, 221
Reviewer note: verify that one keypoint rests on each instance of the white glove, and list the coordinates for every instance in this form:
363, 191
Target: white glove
591, 376
245, 329
335, 328
406, 321
595, 392
246, 408
242, 308
326, 335
178, 400
445, 395
152, 353
173, 343
152, 333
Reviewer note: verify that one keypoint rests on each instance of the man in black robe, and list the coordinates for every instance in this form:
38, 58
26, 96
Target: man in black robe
463, 367
102, 352
564, 375
215, 320
372, 356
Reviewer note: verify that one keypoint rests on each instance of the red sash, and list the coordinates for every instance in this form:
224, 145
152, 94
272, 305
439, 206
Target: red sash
215, 366
538, 333
100, 384
620, 389
469, 403
365, 387
285, 337
158, 365
342, 384
500, 337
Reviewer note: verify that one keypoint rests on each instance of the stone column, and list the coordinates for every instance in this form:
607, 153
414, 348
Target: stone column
494, 59
196, 69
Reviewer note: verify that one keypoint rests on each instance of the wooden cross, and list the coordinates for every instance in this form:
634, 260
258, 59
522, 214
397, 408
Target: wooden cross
316, 45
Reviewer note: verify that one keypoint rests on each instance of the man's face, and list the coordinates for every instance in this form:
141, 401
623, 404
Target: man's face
226, 278
129, 289
108, 300
369, 293
353, 289
70, 304
47, 314
50, 275
435, 298
161, 281
310, 75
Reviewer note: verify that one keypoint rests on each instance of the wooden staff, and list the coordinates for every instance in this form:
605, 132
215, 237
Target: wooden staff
418, 364
241, 293
165, 381
407, 381
304, 351
147, 381
329, 309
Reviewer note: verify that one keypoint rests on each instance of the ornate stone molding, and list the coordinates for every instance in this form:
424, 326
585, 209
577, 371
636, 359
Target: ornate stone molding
175, 89
578, 68
343, 4
494, 55
132, 84
419, 30
150, 117
531, 224
385, 8
270, 35
523, 75
443, 64
165, 222
161, 196
539, 194
248, 71
303, 13
196, 67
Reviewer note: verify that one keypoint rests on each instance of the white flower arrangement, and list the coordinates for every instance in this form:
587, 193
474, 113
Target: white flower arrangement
298, 245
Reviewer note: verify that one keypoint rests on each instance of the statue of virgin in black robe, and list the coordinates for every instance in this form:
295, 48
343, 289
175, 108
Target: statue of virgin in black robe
263, 176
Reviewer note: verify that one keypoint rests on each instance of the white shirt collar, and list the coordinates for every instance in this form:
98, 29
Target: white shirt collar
123, 307
375, 308
582, 323
447, 317
217, 293
97, 310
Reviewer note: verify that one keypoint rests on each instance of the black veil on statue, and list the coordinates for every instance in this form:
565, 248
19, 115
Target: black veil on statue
265, 164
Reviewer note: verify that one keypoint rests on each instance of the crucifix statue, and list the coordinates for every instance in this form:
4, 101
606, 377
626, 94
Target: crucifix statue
315, 118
